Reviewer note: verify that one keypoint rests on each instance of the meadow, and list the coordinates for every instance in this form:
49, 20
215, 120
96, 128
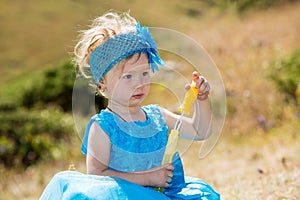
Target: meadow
253, 158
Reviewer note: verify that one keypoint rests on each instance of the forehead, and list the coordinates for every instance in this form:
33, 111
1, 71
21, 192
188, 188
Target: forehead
137, 61
132, 63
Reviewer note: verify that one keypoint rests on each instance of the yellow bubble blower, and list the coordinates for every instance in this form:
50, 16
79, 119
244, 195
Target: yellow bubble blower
185, 108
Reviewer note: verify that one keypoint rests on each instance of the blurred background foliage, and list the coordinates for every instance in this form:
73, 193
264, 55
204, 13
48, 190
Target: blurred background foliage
285, 74
262, 78
39, 120
33, 125
28, 136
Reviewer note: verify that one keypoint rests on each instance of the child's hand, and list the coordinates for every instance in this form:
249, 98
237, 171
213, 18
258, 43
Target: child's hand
161, 176
204, 88
202, 84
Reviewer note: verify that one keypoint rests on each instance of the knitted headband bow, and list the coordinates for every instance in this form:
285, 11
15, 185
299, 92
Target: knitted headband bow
112, 51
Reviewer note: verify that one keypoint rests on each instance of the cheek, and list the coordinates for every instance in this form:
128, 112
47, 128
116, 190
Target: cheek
112, 88
147, 88
121, 90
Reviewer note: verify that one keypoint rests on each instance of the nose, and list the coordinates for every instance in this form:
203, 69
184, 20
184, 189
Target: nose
140, 81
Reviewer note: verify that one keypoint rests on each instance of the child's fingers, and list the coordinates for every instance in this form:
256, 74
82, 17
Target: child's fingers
203, 96
199, 82
169, 179
203, 90
206, 88
203, 84
169, 166
170, 174
187, 86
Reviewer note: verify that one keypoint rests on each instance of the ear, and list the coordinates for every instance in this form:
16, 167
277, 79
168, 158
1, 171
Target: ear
102, 86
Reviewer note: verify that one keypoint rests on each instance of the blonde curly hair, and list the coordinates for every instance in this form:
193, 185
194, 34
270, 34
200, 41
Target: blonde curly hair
101, 29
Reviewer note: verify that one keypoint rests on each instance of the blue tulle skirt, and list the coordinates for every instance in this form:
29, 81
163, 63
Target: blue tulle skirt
75, 185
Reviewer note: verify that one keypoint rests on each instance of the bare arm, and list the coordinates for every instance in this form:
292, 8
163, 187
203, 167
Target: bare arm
97, 162
199, 126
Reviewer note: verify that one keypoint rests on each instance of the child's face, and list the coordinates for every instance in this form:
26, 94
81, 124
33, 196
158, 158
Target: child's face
128, 83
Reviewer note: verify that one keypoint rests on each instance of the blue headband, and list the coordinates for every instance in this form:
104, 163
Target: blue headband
112, 51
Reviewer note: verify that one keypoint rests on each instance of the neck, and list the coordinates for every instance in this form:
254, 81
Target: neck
124, 109
131, 113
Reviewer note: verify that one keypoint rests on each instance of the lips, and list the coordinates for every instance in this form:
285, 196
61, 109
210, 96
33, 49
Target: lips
138, 96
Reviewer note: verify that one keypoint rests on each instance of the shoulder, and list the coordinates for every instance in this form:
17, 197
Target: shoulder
104, 120
94, 131
99, 123
97, 132
100, 116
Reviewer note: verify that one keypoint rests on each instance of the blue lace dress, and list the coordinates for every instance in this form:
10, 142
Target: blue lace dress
136, 146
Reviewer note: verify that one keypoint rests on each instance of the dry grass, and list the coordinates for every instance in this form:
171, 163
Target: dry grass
247, 163
258, 166
242, 49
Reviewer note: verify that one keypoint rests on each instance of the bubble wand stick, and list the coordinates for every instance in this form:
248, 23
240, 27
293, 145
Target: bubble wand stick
185, 108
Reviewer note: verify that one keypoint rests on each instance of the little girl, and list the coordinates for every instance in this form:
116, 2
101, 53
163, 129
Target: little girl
125, 143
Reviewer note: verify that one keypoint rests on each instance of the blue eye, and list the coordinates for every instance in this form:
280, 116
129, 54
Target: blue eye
127, 76
145, 73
